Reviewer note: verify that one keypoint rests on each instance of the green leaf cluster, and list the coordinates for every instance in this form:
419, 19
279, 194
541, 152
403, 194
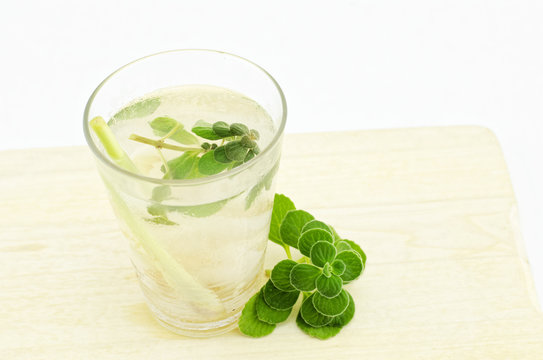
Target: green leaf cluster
238, 144
328, 263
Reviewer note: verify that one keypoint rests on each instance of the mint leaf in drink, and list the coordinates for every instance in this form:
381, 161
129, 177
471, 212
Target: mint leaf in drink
205, 130
280, 275
161, 193
222, 129
267, 314
322, 252
353, 265
182, 166
292, 225
249, 323
330, 306
238, 129
235, 151
303, 277
329, 286
278, 299
220, 155
209, 166
137, 110
309, 237
172, 129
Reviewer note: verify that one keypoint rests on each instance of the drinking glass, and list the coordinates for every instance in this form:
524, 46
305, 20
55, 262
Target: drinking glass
197, 274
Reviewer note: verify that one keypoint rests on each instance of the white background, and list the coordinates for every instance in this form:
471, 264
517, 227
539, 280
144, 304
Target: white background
342, 64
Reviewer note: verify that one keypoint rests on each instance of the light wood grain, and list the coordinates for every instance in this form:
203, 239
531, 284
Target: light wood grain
447, 277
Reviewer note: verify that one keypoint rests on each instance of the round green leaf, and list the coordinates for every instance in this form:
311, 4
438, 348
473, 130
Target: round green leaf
331, 306
322, 333
220, 155
249, 324
303, 276
249, 156
205, 130
353, 265
238, 129
247, 143
209, 166
342, 246
267, 314
235, 151
335, 234
316, 224
358, 250
292, 225
345, 317
280, 275
281, 206
308, 238
322, 252
222, 129
278, 299
338, 267
311, 316
329, 286
254, 134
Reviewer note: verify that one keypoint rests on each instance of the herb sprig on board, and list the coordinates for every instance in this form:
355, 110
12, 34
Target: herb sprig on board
328, 263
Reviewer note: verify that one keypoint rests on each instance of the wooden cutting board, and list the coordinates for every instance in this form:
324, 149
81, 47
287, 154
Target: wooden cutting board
446, 278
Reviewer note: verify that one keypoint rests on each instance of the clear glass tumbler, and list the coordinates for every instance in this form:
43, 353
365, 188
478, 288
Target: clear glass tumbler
197, 274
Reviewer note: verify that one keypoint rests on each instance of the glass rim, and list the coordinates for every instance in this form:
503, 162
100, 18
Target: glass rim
206, 179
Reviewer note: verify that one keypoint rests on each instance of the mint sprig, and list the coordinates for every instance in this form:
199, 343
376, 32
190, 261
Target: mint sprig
328, 263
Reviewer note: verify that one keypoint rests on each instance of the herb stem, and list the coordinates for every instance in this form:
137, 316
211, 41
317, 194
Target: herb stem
160, 144
171, 132
166, 167
287, 250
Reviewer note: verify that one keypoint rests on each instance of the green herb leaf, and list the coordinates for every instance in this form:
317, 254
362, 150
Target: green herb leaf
205, 130
235, 151
181, 166
209, 166
292, 225
267, 314
342, 246
357, 248
316, 224
335, 234
222, 129
161, 193
338, 267
281, 205
310, 314
220, 155
163, 125
254, 134
157, 210
280, 275
238, 129
303, 276
322, 333
161, 220
322, 252
250, 154
309, 237
353, 265
138, 109
277, 299
203, 210
247, 143
331, 306
249, 324
329, 286
345, 317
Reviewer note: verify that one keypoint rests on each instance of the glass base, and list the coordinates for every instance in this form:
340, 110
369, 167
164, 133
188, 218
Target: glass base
199, 330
